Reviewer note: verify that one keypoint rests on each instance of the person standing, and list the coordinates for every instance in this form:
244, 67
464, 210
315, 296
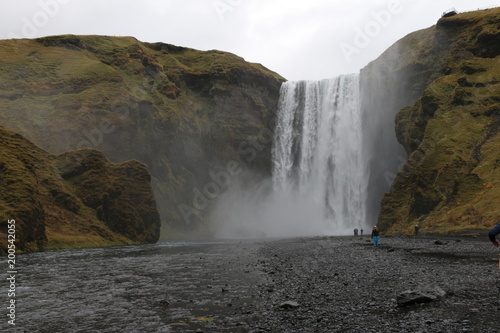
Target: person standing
375, 235
493, 233
355, 231
417, 227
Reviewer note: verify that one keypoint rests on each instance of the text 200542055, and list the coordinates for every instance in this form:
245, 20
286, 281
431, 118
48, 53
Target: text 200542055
11, 271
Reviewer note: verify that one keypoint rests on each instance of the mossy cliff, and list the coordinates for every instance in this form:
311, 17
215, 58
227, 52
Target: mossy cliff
76, 199
451, 180
196, 119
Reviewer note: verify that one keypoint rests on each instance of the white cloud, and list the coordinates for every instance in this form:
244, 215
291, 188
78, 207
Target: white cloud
298, 39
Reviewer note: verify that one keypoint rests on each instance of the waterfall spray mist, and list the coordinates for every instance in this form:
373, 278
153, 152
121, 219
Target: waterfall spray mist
319, 177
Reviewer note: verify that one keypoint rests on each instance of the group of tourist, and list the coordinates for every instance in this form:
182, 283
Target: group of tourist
375, 234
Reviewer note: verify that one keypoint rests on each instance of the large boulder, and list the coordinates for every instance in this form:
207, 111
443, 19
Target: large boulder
420, 294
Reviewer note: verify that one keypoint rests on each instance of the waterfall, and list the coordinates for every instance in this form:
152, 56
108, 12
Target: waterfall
318, 161
320, 174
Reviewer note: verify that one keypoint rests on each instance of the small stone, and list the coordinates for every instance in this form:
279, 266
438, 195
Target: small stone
164, 303
289, 305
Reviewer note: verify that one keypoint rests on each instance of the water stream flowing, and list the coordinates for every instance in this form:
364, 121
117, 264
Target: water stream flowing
317, 153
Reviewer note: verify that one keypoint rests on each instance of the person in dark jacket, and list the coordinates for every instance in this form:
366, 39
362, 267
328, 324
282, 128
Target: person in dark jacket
492, 234
375, 235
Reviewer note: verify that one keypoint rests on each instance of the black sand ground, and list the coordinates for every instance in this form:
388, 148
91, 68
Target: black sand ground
348, 285
340, 284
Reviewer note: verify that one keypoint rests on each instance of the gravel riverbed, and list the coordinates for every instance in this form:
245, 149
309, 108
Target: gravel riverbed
345, 284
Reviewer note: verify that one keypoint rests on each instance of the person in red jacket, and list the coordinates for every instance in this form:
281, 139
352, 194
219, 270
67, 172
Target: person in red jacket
492, 234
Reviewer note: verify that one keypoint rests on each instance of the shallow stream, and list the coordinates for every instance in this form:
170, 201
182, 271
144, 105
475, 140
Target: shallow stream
166, 287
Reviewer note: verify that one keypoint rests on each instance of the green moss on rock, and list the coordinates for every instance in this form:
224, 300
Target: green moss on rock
451, 181
77, 199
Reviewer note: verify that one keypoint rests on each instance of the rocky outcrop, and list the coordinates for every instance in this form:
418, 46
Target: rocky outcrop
76, 199
449, 128
196, 119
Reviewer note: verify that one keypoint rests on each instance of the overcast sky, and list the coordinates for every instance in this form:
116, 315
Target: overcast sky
299, 39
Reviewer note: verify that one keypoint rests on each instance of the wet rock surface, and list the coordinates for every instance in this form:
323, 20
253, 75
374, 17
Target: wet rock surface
323, 284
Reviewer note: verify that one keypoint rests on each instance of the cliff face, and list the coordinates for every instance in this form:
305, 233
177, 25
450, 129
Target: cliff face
196, 119
449, 130
77, 199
